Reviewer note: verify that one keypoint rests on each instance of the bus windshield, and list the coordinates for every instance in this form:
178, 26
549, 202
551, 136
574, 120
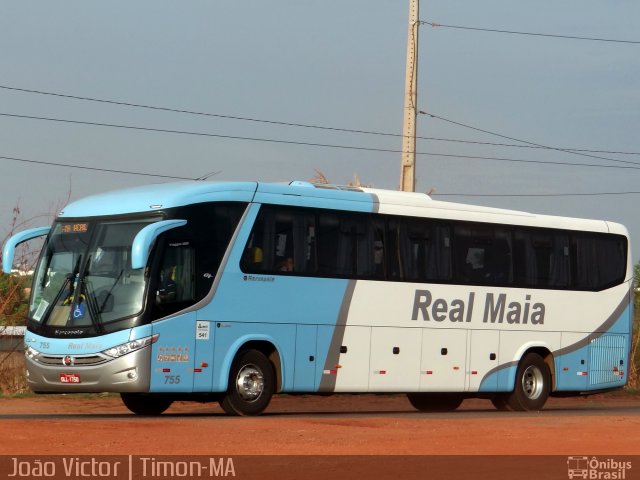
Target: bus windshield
84, 276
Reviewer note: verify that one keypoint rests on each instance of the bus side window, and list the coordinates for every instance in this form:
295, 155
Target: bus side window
418, 250
392, 248
176, 276
559, 262
499, 263
348, 245
611, 260
328, 242
439, 263
414, 237
597, 262
283, 240
483, 255
379, 257
468, 258
253, 254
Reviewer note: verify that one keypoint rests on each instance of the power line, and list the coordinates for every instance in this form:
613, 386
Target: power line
513, 145
292, 124
336, 146
593, 194
204, 114
199, 134
489, 132
97, 169
540, 162
492, 30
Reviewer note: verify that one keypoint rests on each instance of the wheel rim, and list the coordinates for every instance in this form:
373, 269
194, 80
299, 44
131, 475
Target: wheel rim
532, 382
250, 383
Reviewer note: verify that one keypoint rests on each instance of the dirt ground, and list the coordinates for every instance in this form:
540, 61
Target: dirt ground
314, 425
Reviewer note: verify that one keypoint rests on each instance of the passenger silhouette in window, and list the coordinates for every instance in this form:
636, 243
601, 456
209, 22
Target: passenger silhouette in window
167, 289
286, 265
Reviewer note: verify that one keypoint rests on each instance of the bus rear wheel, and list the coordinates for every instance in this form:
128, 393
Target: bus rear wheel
146, 404
435, 402
251, 384
533, 384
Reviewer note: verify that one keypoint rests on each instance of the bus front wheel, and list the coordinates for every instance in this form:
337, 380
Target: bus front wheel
533, 384
146, 404
251, 384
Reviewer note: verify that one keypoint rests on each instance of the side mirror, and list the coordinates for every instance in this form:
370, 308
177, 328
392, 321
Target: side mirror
9, 250
143, 241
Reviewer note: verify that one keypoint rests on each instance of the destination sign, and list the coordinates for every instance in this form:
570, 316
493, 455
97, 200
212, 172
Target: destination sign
75, 228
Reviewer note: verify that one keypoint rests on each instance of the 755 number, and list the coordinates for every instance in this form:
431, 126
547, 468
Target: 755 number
171, 379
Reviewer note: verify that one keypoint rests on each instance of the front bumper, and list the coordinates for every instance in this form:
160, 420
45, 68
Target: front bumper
96, 373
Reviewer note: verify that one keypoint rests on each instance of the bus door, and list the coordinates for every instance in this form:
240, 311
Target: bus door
172, 363
176, 291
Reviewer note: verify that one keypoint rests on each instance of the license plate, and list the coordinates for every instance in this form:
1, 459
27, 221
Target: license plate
69, 378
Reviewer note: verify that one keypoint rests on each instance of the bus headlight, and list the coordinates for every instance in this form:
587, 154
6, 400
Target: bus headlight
31, 352
132, 346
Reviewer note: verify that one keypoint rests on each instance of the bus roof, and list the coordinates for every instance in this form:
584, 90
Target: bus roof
155, 197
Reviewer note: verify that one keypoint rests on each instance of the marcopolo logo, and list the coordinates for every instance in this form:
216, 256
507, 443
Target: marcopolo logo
253, 278
597, 468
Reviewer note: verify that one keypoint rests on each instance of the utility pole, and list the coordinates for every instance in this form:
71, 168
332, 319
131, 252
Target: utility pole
408, 165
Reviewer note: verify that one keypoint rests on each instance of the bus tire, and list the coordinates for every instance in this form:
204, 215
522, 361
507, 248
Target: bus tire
146, 404
533, 384
435, 402
251, 384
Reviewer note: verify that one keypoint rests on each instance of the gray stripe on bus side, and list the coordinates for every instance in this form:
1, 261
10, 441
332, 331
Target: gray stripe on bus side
328, 381
603, 329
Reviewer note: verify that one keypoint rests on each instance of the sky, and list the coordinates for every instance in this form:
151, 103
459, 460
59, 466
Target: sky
330, 63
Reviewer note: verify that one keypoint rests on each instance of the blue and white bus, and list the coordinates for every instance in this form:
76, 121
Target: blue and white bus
233, 292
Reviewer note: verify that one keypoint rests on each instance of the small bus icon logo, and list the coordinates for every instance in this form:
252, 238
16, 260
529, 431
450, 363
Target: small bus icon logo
578, 467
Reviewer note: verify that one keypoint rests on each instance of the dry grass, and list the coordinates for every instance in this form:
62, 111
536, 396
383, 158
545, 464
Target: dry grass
12, 373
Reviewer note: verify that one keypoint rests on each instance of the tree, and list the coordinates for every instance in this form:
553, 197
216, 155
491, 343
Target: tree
14, 288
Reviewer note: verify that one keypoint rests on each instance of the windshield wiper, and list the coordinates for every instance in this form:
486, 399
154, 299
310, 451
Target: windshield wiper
66, 284
92, 306
90, 298
106, 298
56, 299
95, 311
